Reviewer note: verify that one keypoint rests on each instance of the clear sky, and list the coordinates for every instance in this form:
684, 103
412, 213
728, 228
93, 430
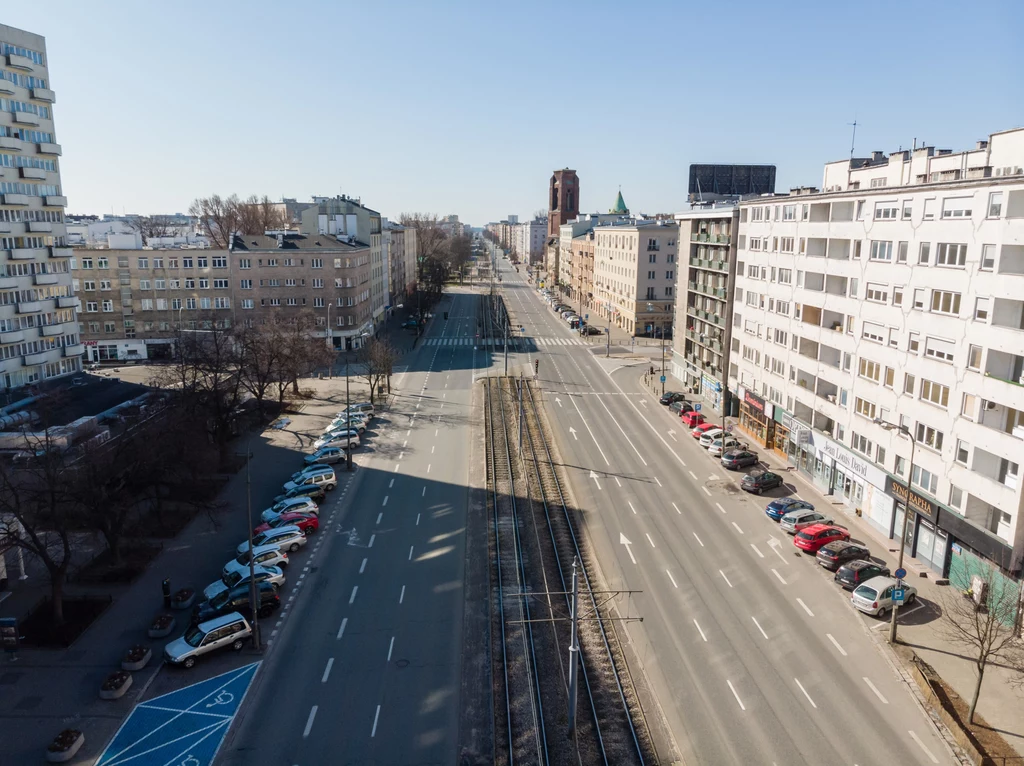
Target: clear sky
467, 107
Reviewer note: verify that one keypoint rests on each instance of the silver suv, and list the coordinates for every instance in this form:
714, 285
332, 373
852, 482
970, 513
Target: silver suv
794, 521
220, 632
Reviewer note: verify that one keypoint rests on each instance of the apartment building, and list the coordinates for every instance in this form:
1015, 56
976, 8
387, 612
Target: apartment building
399, 248
39, 336
700, 355
528, 239
895, 296
635, 274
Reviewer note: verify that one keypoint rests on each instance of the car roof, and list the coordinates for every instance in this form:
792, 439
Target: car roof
839, 545
220, 622
784, 501
879, 583
265, 548
814, 529
861, 563
285, 530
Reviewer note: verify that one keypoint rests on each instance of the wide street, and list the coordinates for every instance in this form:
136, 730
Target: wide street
366, 669
755, 654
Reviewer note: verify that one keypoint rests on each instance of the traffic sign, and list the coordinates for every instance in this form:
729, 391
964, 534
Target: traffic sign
662, 378
586, 316
728, 428
900, 573
696, 407
898, 594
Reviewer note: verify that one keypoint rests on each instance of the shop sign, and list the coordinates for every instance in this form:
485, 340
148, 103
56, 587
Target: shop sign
754, 401
921, 505
862, 468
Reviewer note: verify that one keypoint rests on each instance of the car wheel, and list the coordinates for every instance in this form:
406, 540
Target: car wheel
293, 547
308, 531
329, 487
881, 611
912, 599
237, 644
189, 662
759, 491
266, 611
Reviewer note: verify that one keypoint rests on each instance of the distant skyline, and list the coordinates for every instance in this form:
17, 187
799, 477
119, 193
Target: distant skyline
466, 108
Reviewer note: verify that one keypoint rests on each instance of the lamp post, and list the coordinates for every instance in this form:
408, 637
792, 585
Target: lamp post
348, 412
901, 429
650, 310
330, 342
253, 592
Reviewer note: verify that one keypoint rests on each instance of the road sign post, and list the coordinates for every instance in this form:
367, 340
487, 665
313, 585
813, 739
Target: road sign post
696, 407
898, 596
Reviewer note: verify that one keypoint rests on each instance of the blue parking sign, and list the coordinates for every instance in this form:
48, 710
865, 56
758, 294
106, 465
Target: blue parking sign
898, 594
696, 407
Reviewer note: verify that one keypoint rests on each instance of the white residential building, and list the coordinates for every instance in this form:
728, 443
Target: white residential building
528, 239
897, 294
39, 336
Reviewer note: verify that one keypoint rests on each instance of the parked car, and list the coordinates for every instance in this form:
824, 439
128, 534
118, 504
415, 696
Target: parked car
309, 523
231, 629
288, 538
312, 491
264, 555
708, 437
776, 509
326, 456
692, 419
793, 521
680, 407
875, 595
759, 482
735, 459
702, 428
854, 573
719, 445
364, 408
834, 555
671, 396
410, 323
591, 330
304, 504
237, 600
332, 438
312, 470
345, 423
811, 539
263, 574
325, 480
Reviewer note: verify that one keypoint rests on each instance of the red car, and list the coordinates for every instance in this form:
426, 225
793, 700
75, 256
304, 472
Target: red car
702, 429
692, 419
811, 539
307, 522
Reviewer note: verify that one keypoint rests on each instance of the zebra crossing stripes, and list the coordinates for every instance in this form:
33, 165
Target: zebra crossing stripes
498, 342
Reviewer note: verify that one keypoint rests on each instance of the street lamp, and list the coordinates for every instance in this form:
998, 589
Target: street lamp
348, 412
253, 589
900, 429
650, 310
330, 342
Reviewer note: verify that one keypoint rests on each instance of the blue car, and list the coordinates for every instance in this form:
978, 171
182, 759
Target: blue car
776, 509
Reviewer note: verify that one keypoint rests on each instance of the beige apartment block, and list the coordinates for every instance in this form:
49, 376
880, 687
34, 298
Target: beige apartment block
39, 336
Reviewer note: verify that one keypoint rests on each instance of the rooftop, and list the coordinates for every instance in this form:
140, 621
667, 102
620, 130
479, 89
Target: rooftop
291, 241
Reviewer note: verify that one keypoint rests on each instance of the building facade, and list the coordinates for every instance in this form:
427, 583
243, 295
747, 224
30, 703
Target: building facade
895, 296
39, 336
635, 275
528, 240
563, 207
700, 357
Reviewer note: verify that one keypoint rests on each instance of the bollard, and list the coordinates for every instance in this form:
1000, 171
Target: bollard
166, 585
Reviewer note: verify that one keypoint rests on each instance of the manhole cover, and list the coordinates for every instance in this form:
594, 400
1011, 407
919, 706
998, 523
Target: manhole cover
10, 678
402, 663
28, 703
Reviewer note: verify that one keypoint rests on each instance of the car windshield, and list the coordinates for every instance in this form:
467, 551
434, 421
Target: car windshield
219, 600
866, 592
259, 539
805, 536
243, 557
232, 578
194, 636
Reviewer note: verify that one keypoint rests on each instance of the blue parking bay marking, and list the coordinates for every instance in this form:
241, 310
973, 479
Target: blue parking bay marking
182, 728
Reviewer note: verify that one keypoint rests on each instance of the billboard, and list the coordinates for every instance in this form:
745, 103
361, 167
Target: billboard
730, 180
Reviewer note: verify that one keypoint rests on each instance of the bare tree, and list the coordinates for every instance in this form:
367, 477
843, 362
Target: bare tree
303, 351
261, 355
981, 620
256, 215
218, 217
150, 226
376, 360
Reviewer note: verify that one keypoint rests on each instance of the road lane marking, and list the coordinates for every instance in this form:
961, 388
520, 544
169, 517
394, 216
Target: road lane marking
435, 431
875, 690
424, 492
759, 626
734, 694
617, 480
355, 589
587, 425
385, 500
926, 750
396, 467
756, 550
408, 432
309, 722
405, 444
737, 527
431, 450
417, 519
776, 573
807, 609
699, 540
372, 538
805, 693
835, 643
693, 475
725, 578
650, 541
401, 456
628, 440
673, 579
373, 731
401, 596
659, 481
706, 491
428, 467
631, 507
379, 517
327, 670
341, 630
362, 566
391, 647
677, 509
720, 507
700, 631
410, 553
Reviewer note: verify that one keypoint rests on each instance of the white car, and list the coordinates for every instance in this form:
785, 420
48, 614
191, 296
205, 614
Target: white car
288, 537
716, 447
875, 595
290, 505
265, 555
271, 574
337, 439
708, 437
342, 423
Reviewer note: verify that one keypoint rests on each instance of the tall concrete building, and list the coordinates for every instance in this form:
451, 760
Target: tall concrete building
883, 318
39, 336
528, 239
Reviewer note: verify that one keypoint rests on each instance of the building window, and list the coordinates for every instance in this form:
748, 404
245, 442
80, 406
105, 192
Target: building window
901, 252
981, 308
963, 450
861, 443
245, 263
318, 283
108, 306
926, 480
143, 262
957, 207
652, 258
870, 370
936, 393
91, 307
873, 332
947, 254
668, 292
924, 253
864, 408
245, 284
995, 204
929, 437
897, 296
908, 209
109, 327
890, 376
317, 263
974, 357
220, 284
909, 382
878, 293
944, 302
247, 303
886, 211
220, 261
969, 406
881, 251
988, 257
318, 303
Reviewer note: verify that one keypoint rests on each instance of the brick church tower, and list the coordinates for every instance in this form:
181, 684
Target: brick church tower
563, 200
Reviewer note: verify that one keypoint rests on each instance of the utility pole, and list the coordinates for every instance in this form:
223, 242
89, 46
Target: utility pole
574, 651
348, 404
663, 362
253, 600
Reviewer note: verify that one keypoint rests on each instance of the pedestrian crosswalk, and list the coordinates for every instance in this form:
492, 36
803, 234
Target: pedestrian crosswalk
497, 341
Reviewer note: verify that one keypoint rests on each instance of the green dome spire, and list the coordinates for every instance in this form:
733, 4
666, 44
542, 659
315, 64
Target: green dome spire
620, 206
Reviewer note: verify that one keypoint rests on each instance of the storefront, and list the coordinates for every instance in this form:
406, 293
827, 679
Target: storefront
925, 540
755, 418
711, 390
782, 444
848, 477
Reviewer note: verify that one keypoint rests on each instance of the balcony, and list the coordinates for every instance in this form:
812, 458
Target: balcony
8, 283
30, 307
41, 226
54, 329
69, 302
62, 252
14, 336
1002, 365
10, 144
25, 118
5, 227
76, 350
6, 87
55, 201
44, 94
16, 199
47, 279
51, 149
27, 253
826, 390
35, 174
19, 62
41, 358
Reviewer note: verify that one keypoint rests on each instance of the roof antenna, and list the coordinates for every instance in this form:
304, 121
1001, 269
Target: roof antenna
853, 140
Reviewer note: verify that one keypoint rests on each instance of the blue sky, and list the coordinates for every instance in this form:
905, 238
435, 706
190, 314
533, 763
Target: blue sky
467, 107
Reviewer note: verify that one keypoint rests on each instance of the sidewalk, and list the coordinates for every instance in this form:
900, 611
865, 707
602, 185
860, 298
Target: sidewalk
1001, 704
649, 347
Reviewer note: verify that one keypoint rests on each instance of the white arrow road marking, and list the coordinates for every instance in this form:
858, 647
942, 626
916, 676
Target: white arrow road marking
593, 476
558, 401
673, 435
573, 432
625, 541
643, 402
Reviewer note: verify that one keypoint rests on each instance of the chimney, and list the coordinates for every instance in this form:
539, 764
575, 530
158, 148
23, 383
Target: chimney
982, 145
877, 156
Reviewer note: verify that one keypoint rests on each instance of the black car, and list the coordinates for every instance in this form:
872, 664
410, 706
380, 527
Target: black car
591, 330
833, 555
736, 459
855, 573
759, 482
314, 492
671, 396
680, 407
237, 600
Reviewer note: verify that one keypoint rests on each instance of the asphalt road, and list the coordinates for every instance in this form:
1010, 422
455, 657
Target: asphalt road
366, 670
754, 653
